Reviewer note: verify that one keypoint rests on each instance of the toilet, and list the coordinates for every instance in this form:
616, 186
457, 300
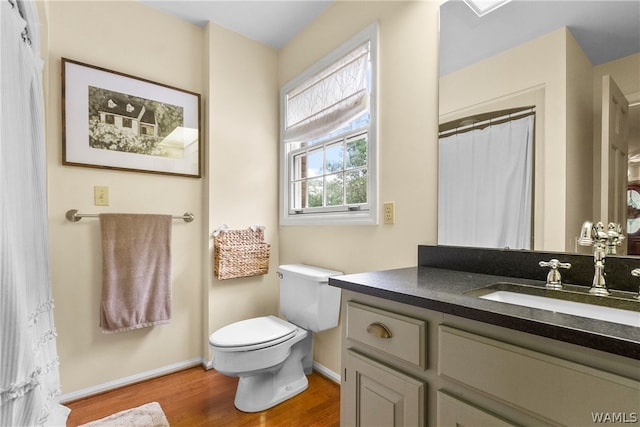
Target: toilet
273, 356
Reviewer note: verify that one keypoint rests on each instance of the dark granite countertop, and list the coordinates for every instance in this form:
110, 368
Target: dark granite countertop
443, 290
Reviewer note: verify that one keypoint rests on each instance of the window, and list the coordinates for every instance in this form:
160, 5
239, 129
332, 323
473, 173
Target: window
126, 123
330, 174
329, 139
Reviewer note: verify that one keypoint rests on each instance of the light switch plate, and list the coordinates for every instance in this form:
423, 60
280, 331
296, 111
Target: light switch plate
101, 196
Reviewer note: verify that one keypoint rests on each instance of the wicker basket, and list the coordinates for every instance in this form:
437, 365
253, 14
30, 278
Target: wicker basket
240, 253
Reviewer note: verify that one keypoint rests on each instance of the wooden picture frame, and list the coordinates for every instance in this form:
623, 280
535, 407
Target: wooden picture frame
111, 120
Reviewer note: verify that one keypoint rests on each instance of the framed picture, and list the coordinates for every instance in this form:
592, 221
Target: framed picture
112, 120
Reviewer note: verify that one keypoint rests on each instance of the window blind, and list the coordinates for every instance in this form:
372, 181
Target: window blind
329, 99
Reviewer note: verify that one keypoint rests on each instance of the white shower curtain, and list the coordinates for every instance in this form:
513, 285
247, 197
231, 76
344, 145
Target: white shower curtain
485, 186
29, 379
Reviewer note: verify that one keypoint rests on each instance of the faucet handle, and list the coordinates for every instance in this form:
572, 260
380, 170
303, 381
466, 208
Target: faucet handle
555, 264
586, 234
554, 280
614, 237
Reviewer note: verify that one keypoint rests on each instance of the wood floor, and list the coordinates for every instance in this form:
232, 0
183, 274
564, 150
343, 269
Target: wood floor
195, 397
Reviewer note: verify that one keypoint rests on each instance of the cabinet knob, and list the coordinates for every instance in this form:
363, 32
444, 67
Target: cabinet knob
379, 330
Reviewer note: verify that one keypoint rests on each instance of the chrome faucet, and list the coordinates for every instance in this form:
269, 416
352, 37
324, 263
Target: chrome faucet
604, 243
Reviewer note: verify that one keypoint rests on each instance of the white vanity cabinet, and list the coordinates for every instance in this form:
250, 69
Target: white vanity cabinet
408, 366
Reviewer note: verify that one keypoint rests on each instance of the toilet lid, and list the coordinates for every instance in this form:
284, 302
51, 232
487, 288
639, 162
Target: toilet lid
259, 330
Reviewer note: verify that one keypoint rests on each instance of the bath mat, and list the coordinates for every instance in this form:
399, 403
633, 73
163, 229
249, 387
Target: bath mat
147, 415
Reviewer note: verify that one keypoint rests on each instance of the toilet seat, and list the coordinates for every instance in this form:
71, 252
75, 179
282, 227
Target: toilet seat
252, 334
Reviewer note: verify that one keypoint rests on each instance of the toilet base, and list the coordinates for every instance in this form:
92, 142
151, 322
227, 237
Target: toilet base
257, 396
256, 393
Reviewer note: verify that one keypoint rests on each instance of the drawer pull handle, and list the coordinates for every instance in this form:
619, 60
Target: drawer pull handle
379, 330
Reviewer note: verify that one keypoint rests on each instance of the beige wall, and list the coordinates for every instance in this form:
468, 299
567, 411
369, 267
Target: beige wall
238, 82
408, 119
243, 185
579, 157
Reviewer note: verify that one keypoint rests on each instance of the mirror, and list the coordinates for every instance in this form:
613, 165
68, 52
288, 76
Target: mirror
553, 56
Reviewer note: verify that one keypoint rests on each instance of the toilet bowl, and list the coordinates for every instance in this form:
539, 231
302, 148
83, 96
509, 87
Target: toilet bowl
272, 356
270, 371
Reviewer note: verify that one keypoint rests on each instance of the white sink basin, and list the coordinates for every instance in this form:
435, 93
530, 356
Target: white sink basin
609, 314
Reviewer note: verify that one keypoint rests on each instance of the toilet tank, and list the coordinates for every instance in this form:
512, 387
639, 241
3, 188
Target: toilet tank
306, 299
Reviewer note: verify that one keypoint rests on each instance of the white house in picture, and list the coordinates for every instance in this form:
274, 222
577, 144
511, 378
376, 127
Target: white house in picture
129, 116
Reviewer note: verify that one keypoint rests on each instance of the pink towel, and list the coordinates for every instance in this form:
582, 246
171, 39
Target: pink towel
136, 271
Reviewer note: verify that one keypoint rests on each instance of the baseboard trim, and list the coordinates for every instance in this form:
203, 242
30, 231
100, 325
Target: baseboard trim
143, 376
101, 388
326, 372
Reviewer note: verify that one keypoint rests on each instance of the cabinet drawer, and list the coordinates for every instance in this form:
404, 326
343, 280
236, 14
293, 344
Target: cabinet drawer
552, 388
400, 336
453, 412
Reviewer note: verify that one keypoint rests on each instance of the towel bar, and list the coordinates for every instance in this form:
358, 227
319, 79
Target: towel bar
74, 216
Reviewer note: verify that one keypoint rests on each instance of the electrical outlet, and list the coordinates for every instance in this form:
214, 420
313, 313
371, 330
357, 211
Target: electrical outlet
101, 196
389, 212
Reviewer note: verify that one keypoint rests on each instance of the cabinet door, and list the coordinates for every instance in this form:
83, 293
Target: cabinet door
378, 395
453, 412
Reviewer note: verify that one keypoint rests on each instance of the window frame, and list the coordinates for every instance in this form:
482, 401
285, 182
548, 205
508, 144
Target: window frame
342, 140
344, 215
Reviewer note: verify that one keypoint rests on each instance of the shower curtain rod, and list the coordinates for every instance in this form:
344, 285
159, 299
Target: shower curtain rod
74, 216
487, 122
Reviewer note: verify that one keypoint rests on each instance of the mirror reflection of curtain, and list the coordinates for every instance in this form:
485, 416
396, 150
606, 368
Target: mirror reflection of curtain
485, 186
29, 379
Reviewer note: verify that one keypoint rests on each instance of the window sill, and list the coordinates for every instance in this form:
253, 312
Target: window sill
338, 218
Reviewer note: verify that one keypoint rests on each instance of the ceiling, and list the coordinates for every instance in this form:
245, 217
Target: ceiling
605, 29
272, 23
